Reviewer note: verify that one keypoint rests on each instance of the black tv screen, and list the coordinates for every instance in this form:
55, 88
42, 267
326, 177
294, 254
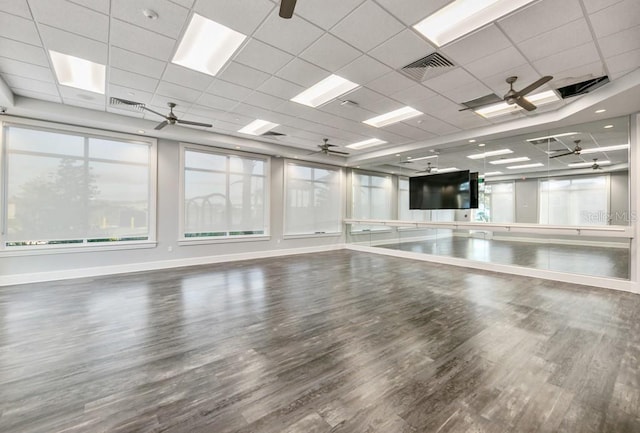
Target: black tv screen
455, 190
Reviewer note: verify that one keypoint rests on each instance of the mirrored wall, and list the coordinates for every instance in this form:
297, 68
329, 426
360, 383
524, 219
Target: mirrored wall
555, 200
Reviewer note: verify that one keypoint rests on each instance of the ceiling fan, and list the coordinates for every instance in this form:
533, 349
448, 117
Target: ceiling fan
595, 165
576, 150
286, 8
325, 148
517, 96
170, 119
428, 169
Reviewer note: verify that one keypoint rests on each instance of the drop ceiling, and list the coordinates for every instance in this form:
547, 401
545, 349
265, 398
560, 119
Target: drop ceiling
365, 41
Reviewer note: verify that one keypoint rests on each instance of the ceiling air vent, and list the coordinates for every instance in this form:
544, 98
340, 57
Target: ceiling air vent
422, 69
489, 99
583, 87
543, 141
272, 134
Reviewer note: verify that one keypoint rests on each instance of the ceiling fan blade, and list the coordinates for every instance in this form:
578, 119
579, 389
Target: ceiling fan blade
338, 152
286, 8
144, 107
161, 125
533, 86
562, 154
188, 122
525, 104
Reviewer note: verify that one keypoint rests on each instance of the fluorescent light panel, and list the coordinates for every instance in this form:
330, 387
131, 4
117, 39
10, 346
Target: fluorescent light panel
324, 91
546, 137
509, 160
464, 16
423, 157
258, 127
502, 108
395, 116
206, 45
604, 149
490, 153
445, 170
366, 143
492, 173
79, 73
587, 164
515, 167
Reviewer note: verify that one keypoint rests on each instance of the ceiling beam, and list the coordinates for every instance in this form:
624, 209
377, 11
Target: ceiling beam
6, 95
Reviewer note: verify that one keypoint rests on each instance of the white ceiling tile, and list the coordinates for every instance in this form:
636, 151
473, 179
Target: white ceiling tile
293, 37
124, 112
382, 105
621, 42
186, 77
71, 17
363, 96
82, 95
623, 63
404, 48
562, 38
577, 74
74, 45
452, 79
330, 53
540, 17
176, 91
595, 5
261, 56
437, 106
228, 90
409, 131
253, 112
620, 16
16, 7
23, 52
137, 63
185, 3
19, 29
129, 93
217, 102
572, 58
357, 114
411, 12
138, 40
263, 100
132, 80
363, 70
391, 83
243, 16
83, 104
243, 75
436, 126
303, 73
281, 88
327, 12
170, 21
367, 26
37, 95
26, 70
413, 94
496, 62
17, 82
97, 5
477, 45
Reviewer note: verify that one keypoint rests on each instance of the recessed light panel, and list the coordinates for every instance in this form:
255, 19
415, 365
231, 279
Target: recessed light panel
325, 91
424, 157
461, 17
445, 170
509, 160
79, 73
258, 127
366, 143
206, 45
546, 137
515, 167
492, 173
395, 116
605, 149
490, 153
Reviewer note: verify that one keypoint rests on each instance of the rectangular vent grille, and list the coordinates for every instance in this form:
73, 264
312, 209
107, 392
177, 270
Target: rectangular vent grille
544, 141
419, 69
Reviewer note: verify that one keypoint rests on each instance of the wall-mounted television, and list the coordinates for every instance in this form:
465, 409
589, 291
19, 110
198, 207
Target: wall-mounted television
454, 190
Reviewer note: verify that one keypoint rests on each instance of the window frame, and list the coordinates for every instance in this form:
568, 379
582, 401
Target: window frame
182, 239
84, 245
285, 198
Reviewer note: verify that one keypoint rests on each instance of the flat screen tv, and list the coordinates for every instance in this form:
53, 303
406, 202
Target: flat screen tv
455, 190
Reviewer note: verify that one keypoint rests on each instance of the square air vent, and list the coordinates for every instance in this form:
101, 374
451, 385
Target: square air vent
423, 68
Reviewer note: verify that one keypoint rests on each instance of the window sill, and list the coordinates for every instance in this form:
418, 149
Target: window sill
74, 248
222, 240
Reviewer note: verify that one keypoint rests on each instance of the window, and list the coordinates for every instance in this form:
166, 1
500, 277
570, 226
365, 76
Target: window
574, 201
499, 202
404, 213
224, 194
313, 200
371, 199
74, 189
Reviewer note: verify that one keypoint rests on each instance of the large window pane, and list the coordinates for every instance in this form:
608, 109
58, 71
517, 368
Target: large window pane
574, 201
61, 190
224, 195
313, 200
371, 198
404, 213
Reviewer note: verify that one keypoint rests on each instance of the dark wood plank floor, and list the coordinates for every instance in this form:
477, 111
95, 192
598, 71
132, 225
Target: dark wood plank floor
575, 259
332, 342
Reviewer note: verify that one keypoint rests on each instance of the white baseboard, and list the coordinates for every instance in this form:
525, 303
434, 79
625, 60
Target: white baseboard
37, 277
586, 280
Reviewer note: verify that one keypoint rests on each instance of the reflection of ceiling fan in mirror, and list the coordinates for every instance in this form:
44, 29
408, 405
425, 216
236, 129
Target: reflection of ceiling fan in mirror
595, 165
576, 150
286, 8
325, 148
516, 96
170, 119
428, 169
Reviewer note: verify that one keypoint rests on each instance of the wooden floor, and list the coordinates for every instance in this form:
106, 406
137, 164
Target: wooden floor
340, 341
575, 259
